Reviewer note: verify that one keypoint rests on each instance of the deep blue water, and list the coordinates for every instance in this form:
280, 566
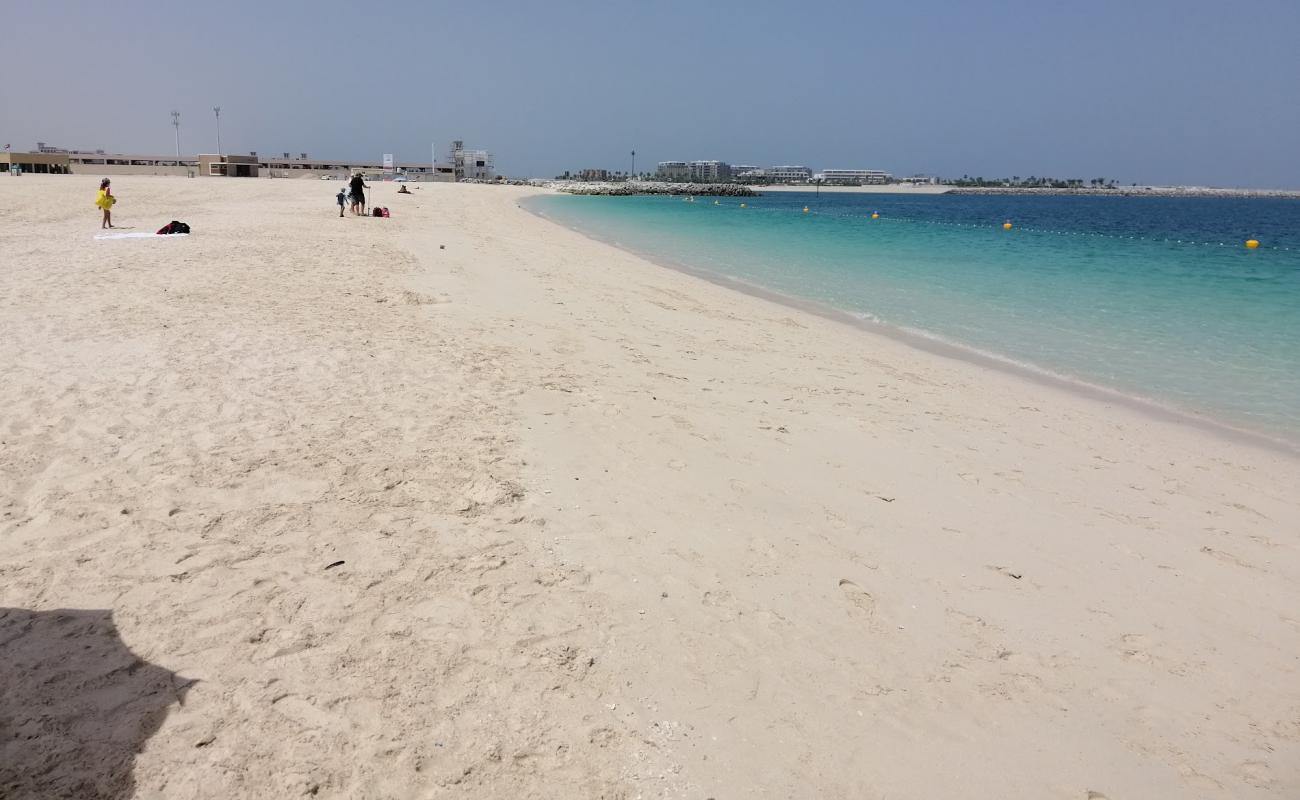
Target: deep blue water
1153, 297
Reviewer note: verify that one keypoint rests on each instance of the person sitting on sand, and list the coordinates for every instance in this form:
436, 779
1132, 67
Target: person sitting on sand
358, 185
105, 200
403, 190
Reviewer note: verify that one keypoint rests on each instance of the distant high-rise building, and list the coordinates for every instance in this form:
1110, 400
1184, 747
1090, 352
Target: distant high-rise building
710, 171
673, 171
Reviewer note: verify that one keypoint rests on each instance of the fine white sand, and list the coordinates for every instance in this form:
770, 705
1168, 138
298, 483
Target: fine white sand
607, 530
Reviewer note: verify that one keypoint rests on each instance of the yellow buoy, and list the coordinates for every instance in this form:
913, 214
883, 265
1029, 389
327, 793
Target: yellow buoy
1251, 244
875, 215
805, 209
1006, 226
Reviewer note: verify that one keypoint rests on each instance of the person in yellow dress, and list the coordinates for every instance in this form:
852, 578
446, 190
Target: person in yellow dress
105, 200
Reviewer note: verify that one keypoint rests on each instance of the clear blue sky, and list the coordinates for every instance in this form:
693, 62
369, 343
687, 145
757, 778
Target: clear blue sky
1165, 91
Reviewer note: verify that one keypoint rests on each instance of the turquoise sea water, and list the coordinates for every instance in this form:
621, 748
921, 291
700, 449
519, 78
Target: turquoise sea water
1153, 297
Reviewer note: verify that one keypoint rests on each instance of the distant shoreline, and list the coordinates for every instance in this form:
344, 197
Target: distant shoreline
1128, 191
1118, 191
750, 190
886, 188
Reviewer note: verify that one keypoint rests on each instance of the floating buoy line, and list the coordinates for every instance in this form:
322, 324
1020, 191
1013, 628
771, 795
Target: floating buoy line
1249, 244
1007, 225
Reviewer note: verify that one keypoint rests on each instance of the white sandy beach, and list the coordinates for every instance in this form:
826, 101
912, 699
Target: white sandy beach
606, 530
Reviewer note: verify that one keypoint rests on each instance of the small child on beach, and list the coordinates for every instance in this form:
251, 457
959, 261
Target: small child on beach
104, 201
343, 199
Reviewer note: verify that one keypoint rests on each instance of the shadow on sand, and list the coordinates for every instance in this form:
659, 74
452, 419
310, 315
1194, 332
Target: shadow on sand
76, 705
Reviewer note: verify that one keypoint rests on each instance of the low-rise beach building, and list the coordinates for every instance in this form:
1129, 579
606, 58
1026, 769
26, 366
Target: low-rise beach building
853, 177
98, 162
303, 166
285, 165
789, 173
16, 163
229, 166
49, 159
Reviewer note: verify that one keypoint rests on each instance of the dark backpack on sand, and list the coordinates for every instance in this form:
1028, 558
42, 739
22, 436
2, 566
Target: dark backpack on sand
173, 227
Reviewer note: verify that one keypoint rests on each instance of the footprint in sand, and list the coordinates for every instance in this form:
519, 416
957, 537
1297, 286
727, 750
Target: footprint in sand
860, 598
1134, 646
1228, 558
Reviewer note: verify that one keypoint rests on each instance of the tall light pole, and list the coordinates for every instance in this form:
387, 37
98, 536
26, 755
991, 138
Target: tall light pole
176, 123
633, 165
217, 110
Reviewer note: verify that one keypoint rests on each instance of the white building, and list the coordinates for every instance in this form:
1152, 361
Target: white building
853, 177
710, 171
789, 173
673, 171
475, 164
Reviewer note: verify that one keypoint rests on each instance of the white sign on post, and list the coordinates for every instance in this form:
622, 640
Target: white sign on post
388, 166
